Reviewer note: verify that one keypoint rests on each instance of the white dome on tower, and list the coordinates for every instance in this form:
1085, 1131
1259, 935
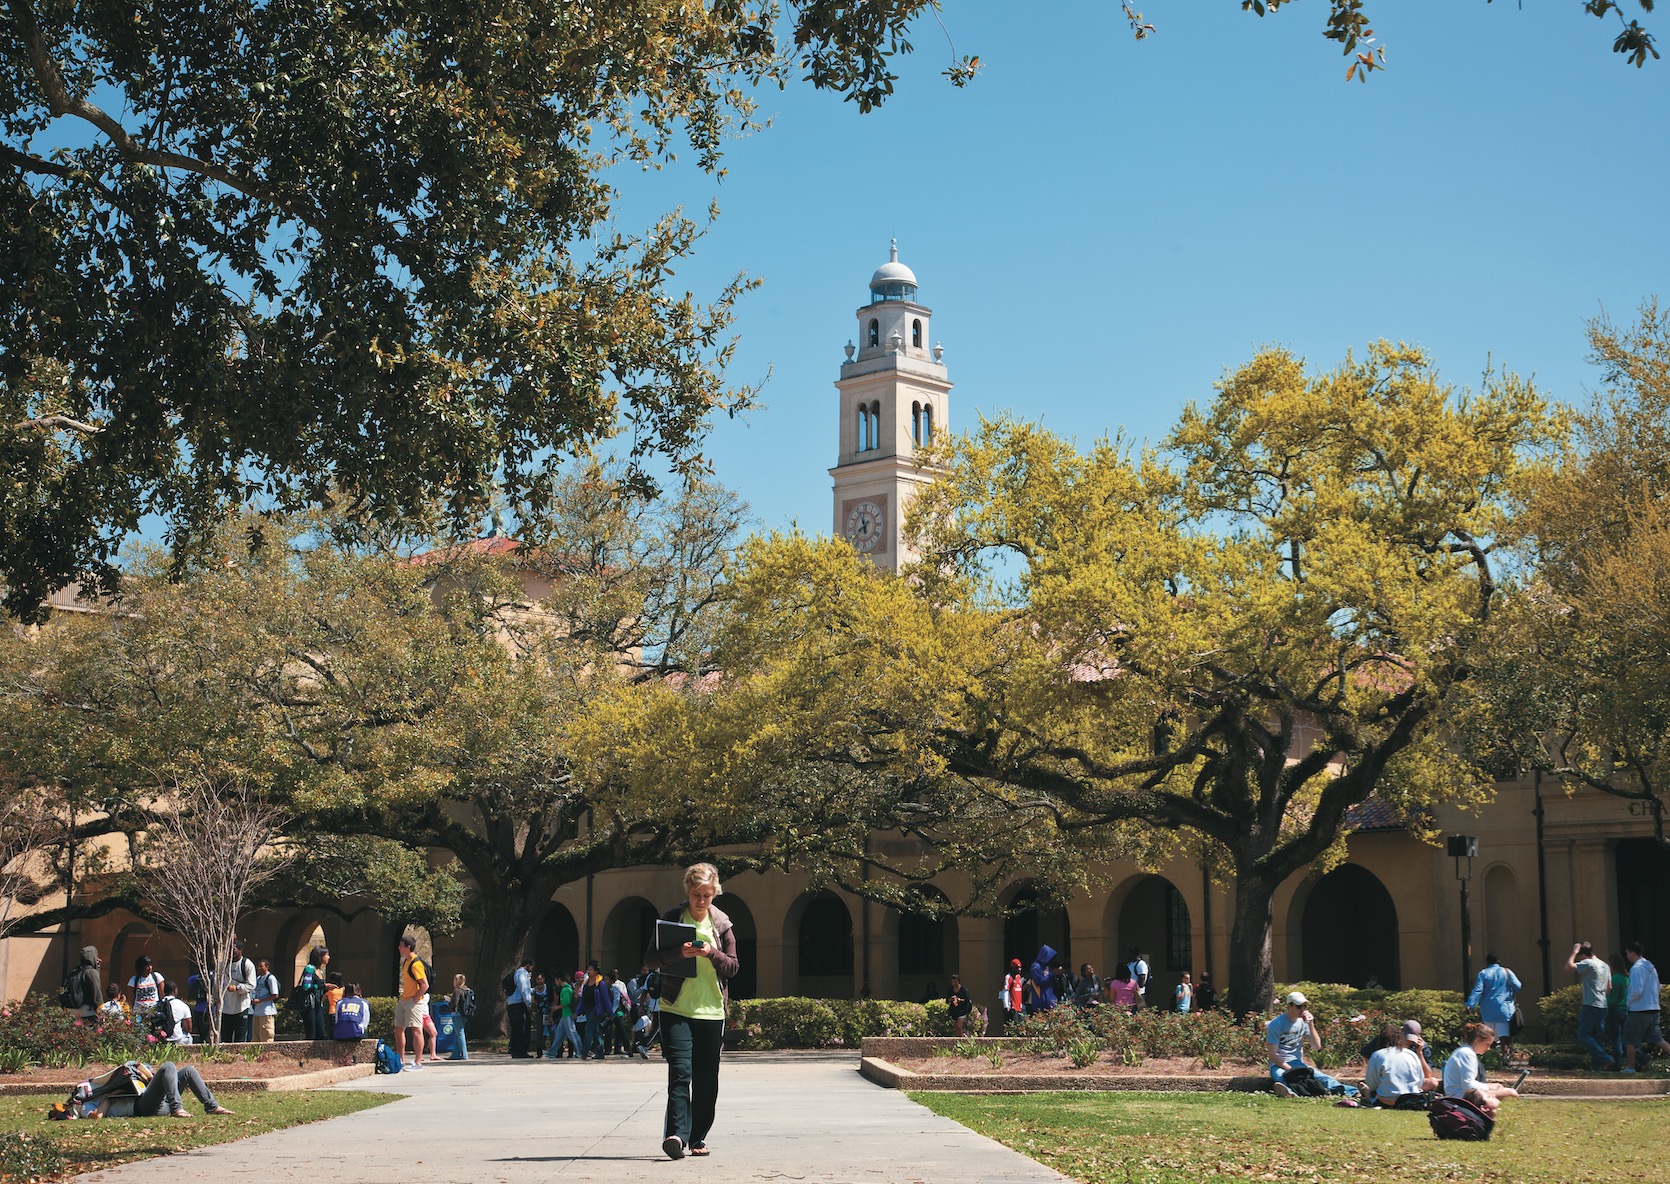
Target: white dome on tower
893, 280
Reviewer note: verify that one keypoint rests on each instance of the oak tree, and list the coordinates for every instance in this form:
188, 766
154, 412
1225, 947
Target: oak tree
1220, 649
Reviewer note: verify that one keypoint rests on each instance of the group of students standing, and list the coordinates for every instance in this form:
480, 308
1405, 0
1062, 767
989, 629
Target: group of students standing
1048, 983
585, 1016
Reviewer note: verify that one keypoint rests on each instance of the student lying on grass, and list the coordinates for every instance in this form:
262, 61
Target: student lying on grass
137, 1090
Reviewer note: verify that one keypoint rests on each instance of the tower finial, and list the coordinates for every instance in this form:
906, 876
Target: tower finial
894, 256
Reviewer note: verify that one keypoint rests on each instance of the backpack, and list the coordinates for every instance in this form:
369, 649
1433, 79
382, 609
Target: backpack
164, 1025
75, 993
1301, 1079
1457, 1118
466, 1004
652, 984
387, 1060
508, 982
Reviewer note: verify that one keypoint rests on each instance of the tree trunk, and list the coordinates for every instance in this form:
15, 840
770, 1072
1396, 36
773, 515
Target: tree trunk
505, 924
1252, 976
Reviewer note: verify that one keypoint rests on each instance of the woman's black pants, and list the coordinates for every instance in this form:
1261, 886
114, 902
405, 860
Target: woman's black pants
692, 1051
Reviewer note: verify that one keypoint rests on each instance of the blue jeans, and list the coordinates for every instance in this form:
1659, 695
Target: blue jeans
162, 1095
1591, 1025
460, 1049
592, 1038
1614, 1037
564, 1030
1322, 1079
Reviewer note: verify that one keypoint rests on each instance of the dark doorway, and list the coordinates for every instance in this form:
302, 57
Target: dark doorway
1643, 890
557, 946
1028, 926
825, 937
1349, 933
745, 984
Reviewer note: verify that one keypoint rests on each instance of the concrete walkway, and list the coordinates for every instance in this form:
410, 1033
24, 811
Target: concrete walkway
782, 1117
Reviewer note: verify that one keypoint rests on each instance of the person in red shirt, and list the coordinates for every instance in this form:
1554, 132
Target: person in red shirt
1014, 983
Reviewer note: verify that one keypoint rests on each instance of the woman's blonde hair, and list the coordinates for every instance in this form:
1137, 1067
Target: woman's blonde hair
701, 873
457, 980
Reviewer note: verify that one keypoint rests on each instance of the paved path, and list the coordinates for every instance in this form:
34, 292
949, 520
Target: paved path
783, 1117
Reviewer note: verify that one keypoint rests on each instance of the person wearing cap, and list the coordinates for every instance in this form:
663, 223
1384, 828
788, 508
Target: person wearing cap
1287, 1036
1398, 1074
1013, 993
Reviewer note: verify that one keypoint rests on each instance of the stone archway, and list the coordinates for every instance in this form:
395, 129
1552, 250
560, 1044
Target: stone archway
819, 925
925, 947
627, 932
1154, 918
746, 983
1348, 930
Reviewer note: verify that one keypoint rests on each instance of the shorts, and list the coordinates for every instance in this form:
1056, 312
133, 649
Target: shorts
1641, 1028
1503, 1030
410, 1013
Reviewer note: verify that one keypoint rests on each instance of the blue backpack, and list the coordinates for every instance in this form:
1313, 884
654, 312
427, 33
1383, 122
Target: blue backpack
387, 1060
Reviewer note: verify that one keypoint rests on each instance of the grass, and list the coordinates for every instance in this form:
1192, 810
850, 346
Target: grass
88, 1146
1132, 1138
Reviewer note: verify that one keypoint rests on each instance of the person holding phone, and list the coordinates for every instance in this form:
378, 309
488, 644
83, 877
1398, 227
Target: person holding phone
693, 1012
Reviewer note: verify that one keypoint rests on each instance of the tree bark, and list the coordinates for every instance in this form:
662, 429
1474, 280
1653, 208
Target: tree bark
1252, 976
505, 924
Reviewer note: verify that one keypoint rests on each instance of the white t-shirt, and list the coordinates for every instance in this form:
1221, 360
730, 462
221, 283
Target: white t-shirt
146, 991
1461, 1072
181, 1011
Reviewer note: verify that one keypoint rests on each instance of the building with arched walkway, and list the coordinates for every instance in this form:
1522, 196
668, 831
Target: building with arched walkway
1552, 866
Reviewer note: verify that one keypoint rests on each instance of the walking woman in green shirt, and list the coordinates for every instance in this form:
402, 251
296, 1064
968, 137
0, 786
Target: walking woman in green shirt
693, 1011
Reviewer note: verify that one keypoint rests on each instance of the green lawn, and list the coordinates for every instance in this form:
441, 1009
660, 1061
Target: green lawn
1119, 1138
87, 1146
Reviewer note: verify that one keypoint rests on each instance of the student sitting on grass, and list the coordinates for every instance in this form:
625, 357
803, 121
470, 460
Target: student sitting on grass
1462, 1077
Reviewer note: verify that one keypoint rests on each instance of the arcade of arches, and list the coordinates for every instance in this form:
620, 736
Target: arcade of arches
1389, 913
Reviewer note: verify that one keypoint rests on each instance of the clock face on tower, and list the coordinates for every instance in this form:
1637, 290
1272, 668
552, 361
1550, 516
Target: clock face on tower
865, 526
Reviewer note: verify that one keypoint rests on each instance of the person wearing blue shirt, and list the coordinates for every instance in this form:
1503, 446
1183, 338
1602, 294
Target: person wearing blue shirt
1041, 989
1492, 995
516, 1010
353, 1015
1286, 1037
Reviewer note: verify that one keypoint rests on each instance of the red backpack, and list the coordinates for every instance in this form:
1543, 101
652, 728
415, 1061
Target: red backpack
1457, 1118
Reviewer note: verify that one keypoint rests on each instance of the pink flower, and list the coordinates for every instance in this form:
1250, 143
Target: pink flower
78, 1023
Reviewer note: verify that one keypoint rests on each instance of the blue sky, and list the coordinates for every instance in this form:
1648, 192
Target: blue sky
1103, 227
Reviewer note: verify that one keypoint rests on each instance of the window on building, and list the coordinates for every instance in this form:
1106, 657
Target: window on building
875, 333
916, 334
927, 424
862, 439
1179, 939
916, 422
875, 425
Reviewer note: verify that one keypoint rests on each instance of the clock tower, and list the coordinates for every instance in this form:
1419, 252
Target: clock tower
894, 396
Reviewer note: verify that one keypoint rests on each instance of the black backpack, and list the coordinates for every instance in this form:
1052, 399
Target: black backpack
75, 993
1301, 1079
466, 1004
1457, 1118
164, 1025
508, 982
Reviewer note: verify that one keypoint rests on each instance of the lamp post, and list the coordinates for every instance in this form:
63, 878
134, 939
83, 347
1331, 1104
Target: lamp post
1464, 847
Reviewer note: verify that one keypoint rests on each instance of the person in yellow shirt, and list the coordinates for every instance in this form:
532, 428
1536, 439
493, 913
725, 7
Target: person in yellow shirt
412, 1008
693, 1012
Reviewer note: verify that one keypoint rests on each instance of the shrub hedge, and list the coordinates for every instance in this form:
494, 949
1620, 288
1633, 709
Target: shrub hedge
793, 1022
